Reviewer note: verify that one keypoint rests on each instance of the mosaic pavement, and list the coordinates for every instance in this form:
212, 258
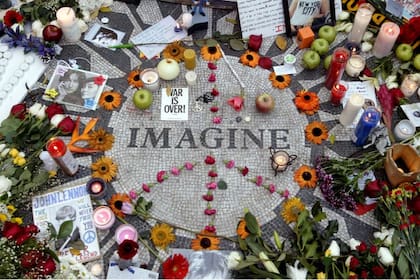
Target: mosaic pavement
178, 199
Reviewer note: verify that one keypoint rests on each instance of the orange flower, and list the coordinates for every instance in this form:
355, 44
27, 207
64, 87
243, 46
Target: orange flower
306, 177
241, 230
281, 81
210, 53
134, 79
307, 102
205, 241
316, 132
110, 100
175, 51
250, 58
116, 203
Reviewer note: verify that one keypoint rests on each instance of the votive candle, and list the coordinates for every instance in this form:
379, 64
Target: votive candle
351, 109
66, 18
103, 217
361, 21
385, 40
404, 130
97, 188
125, 231
280, 160
409, 85
150, 79
189, 59
191, 78
367, 122
338, 91
62, 156
337, 66
355, 65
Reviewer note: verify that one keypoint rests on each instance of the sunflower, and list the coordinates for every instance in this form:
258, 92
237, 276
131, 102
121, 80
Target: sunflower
305, 176
134, 79
162, 235
104, 168
307, 102
291, 209
316, 132
175, 51
116, 203
211, 53
205, 241
280, 81
110, 100
242, 230
250, 58
101, 140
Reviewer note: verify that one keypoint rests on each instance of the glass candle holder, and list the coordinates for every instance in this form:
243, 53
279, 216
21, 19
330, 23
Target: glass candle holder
355, 65
385, 40
97, 188
361, 21
404, 130
367, 122
150, 79
125, 231
338, 91
337, 66
62, 156
103, 217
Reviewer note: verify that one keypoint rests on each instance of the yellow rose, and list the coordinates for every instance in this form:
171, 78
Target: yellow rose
13, 153
17, 220
3, 217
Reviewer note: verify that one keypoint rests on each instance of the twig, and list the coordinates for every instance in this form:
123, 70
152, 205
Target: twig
232, 70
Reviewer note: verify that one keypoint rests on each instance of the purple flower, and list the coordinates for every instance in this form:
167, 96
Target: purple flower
211, 185
189, 166
175, 171
272, 188
127, 208
146, 188
210, 212
133, 194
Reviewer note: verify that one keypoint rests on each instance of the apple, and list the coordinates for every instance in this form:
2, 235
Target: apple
416, 62
327, 61
404, 52
143, 98
328, 33
320, 45
264, 102
311, 59
52, 33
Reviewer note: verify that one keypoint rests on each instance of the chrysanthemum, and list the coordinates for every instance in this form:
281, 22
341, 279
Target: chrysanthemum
116, 203
205, 241
210, 53
104, 168
134, 79
307, 102
250, 58
175, 51
306, 177
101, 140
242, 230
110, 100
175, 267
280, 81
162, 235
291, 209
316, 132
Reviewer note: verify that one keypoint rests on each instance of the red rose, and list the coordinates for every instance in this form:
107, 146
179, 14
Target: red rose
364, 274
378, 271
209, 160
22, 237
354, 263
212, 174
373, 249
67, 125
54, 109
33, 229
215, 92
362, 247
127, 249
408, 31
161, 176
11, 230
214, 109
414, 204
47, 267
373, 189
31, 258
19, 111
244, 171
397, 94
11, 17
265, 62
254, 42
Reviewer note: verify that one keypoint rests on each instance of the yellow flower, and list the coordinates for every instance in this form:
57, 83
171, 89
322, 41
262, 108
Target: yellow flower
52, 93
17, 220
101, 140
104, 168
327, 254
52, 173
3, 217
162, 235
321, 276
13, 153
291, 209
11, 208
20, 161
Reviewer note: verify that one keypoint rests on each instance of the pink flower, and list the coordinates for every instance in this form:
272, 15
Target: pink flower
145, 188
210, 212
127, 208
208, 197
211, 185
189, 166
254, 42
215, 92
210, 228
236, 102
212, 66
212, 78
217, 120
272, 188
133, 194
244, 171
258, 180
210, 160
161, 176
230, 164
175, 171
285, 193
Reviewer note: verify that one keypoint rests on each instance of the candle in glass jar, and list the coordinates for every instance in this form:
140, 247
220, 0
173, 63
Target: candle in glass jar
337, 66
103, 217
280, 160
404, 130
125, 231
355, 65
189, 59
361, 21
367, 122
97, 188
385, 40
62, 156
337, 92
150, 79
191, 78
351, 109
409, 85
66, 18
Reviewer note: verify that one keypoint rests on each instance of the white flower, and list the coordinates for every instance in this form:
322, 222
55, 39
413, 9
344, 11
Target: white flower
348, 27
366, 46
37, 28
38, 110
2, 147
391, 81
348, 260
353, 243
342, 26
385, 256
293, 272
57, 119
5, 184
343, 16
5, 152
385, 235
21, 154
82, 25
269, 265
367, 36
334, 249
234, 258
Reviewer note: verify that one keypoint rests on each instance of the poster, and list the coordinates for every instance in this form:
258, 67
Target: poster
174, 104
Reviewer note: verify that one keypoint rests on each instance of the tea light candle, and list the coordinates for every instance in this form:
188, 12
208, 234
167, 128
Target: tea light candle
404, 130
355, 65
280, 161
409, 85
385, 40
361, 21
97, 188
191, 78
367, 122
354, 48
189, 59
150, 79
337, 92
66, 18
351, 109
103, 217
125, 231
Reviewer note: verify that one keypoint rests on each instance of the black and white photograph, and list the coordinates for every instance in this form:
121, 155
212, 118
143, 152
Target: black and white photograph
104, 37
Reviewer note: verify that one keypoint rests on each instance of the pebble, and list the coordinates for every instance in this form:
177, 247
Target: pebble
104, 20
96, 269
247, 119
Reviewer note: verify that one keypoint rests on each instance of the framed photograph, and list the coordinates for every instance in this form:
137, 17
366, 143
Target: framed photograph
104, 37
314, 13
75, 87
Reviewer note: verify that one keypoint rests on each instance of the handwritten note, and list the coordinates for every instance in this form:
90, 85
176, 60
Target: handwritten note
261, 17
161, 32
174, 105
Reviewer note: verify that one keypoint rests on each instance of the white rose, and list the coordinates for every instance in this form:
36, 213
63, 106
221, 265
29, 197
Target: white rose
353, 243
348, 260
37, 28
385, 256
57, 119
334, 249
367, 36
385, 235
2, 147
5, 184
293, 272
366, 46
38, 110
344, 15
234, 258
5, 152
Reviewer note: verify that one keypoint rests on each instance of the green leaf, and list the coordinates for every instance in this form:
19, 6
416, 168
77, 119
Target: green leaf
403, 266
250, 260
65, 229
302, 217
311, 250
330, 230
222, 185
252, 224
200, 43
237, 44
78, 245
211, 43
317, 213
242, 244
26, 175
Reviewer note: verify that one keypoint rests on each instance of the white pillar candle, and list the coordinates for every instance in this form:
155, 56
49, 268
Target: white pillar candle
351, 109
186, 20
150, 79
409, 85
191, 78
355, 65
404, 130
66, 18
387, 36
361, 21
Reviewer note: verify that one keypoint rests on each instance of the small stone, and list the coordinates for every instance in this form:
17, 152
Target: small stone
105, 20
247, 119
238, 119
96, 269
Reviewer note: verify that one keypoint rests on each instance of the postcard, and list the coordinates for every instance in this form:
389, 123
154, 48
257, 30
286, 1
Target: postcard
174, 105
104, 37
412, 111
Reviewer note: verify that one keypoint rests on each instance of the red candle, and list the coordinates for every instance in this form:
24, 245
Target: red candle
337, 66
337, 92
56, 147
62, 156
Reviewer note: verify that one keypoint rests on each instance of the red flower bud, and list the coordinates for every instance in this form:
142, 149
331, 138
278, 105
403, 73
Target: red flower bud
212, 174
254, 42
414, 204
362, 247
244, 171
209, 160
373, 249
211, 66
354, 263
378, 271
265, 62
373, 189
67, 125
11, 230
214, 109
19, 111
54, 109
47, 267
